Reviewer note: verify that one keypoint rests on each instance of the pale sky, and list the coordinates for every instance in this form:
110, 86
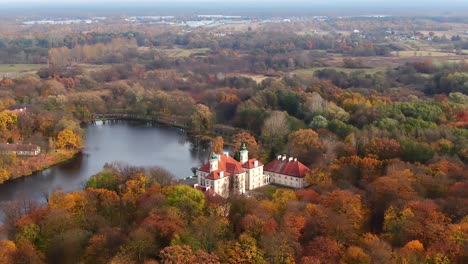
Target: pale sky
460, 6
328, 2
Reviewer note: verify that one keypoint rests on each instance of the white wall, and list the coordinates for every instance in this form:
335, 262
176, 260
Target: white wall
286, 180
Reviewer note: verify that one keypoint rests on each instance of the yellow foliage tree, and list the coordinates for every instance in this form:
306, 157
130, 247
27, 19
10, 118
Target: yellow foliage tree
218, 145
281, 197
67, 139
304, 144
319, 177
414, 245
72, 202
4, 176
355, 255
8, 121
134, 188
7, 250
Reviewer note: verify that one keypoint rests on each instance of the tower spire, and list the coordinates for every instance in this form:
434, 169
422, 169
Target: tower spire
244, 153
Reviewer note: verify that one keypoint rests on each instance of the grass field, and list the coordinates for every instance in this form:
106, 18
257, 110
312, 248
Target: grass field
18, 70
182, 53
311, 71
422, 53
19, 67
256, 77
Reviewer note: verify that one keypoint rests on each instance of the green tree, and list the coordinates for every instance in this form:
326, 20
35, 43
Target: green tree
189, 200
415, 152
318, 122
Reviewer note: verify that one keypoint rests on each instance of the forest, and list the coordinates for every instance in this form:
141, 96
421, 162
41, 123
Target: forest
385, 138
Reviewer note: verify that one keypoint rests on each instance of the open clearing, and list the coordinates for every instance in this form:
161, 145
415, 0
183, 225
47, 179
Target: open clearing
182, 53
309, 72
422, 53
257, 77
18, 70
19, 67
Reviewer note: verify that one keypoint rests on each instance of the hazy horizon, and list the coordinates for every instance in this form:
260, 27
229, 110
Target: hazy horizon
241, 7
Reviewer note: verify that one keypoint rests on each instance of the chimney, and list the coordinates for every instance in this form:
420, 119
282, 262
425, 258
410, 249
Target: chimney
256, 163
284, 157
279, 157
290, 159
221, 174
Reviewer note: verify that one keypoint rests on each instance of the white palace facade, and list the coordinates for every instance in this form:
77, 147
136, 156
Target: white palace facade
225, 175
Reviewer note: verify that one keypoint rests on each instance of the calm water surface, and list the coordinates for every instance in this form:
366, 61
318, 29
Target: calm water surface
134, 143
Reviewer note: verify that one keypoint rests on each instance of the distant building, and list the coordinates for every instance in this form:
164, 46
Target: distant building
19, 111
20, 149
287, 171
224, 175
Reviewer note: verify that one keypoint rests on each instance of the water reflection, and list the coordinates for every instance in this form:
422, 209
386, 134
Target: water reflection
135, 143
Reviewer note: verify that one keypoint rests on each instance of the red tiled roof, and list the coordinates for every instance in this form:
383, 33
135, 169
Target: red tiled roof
18, 147
286, 167
250, 164
210, 195
205, 168
226, 164
213, 175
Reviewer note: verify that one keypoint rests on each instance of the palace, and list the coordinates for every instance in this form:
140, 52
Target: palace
225, 175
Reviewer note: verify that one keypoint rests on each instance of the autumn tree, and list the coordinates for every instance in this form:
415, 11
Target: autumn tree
185, 254
355, 255
67, 139
243, 251
325, 249
305, 145
7, 251
27, 253
275, 127
4, 175
218, 145
379, 250
419, 220
202, 118
250, 142
163, 227
103, 246
383, 148
280, 248
8, 121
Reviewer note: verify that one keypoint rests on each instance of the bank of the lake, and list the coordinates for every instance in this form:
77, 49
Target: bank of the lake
30, 165
134, 143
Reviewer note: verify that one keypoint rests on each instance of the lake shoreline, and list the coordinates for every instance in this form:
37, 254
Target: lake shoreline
69, 155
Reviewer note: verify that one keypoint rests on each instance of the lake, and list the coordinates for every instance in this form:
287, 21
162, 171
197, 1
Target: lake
134, 143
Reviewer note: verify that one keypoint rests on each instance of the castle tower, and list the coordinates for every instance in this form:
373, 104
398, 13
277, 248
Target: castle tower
213, 162
244, 154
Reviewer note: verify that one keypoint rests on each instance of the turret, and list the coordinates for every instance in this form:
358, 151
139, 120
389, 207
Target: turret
213, 162
244, 154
